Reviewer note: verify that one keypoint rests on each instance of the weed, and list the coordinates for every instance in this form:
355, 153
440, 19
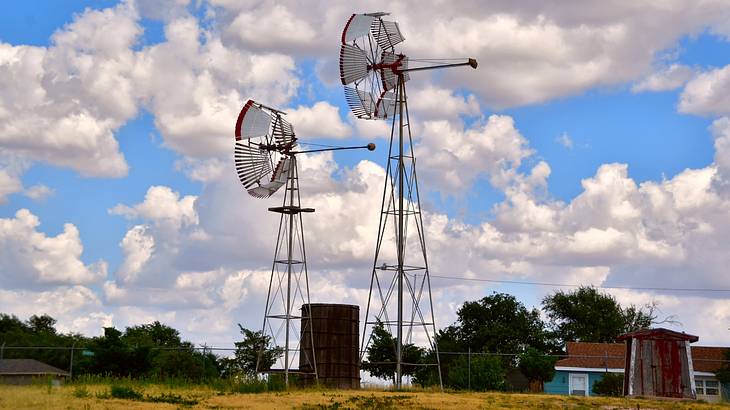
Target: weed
170, 398
81, 392
125, 392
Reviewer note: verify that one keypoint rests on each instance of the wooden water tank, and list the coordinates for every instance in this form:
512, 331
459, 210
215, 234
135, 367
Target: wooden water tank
335, 332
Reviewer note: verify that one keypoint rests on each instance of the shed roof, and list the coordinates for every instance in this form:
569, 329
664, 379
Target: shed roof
28, 367
594, 355
612, 356
708, 358
659, 333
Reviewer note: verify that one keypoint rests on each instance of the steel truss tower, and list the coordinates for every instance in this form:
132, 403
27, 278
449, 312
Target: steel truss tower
289, 285
404, 274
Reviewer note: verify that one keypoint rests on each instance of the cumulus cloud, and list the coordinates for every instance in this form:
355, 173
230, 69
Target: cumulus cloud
707, 93
76, 308
9, 184
665, 79
163, 207
452, 157
29, 258
137, 247
322, 120
63, 103
38, 192
527, 54
202, 262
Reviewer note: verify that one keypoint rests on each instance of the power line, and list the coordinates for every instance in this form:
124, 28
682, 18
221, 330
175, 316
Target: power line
572, 285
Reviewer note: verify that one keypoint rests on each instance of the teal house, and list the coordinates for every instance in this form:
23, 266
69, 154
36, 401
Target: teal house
586, 364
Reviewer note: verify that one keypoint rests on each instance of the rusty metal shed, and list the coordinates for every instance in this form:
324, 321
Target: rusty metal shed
659, 363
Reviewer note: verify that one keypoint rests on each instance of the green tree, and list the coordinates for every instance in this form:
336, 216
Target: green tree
381, 361
483, 373
254, 348
497, 323
42, 324
537, 366
586, 315
723, 373
612, 384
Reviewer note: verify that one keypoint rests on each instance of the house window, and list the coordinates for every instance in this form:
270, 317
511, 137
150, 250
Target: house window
578, 384
707, 387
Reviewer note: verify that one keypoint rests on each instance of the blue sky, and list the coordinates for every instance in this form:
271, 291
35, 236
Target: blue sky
577, 128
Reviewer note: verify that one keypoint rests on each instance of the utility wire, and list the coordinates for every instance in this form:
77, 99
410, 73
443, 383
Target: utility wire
573, 285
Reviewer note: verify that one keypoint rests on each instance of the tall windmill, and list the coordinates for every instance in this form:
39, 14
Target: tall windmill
374, 76
266, 160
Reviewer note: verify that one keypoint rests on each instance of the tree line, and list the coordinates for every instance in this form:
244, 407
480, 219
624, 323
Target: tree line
519, 341
525, 342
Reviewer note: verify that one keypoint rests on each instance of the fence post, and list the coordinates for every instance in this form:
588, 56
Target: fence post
468, 359
71, 365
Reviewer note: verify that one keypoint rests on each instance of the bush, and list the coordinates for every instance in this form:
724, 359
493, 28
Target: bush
612, 384
486, 373
537, 366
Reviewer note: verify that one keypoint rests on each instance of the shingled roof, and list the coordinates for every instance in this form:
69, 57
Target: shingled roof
28, 367
707, 358
594, 355
612, 356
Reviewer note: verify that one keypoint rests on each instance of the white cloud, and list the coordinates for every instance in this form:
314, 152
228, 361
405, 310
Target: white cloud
565, 140
322, 120
29, 258
9, 184
137, 247
665, 79
270, 27
38, 192
76, 308
196, 87
579, 46
163, 207
452, 158
63, 103
707, 93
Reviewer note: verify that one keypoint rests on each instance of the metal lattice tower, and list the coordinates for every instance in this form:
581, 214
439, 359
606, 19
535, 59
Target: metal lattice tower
400, 295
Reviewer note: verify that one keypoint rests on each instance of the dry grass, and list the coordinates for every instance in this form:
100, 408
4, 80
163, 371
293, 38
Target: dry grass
96, 397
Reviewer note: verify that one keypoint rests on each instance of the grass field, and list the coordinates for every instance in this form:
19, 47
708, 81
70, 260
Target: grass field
151, 396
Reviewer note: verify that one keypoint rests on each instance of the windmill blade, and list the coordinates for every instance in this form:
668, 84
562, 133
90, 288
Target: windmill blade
278, 180
252, 122
361, 103
353, 64
387, 34
357, 26
253, 164
283, 133
385, 106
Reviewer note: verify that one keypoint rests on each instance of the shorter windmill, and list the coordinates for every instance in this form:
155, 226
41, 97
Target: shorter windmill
266, 160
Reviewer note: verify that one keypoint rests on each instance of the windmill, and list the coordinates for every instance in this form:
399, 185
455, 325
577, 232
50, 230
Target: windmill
266, 160
374, 77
